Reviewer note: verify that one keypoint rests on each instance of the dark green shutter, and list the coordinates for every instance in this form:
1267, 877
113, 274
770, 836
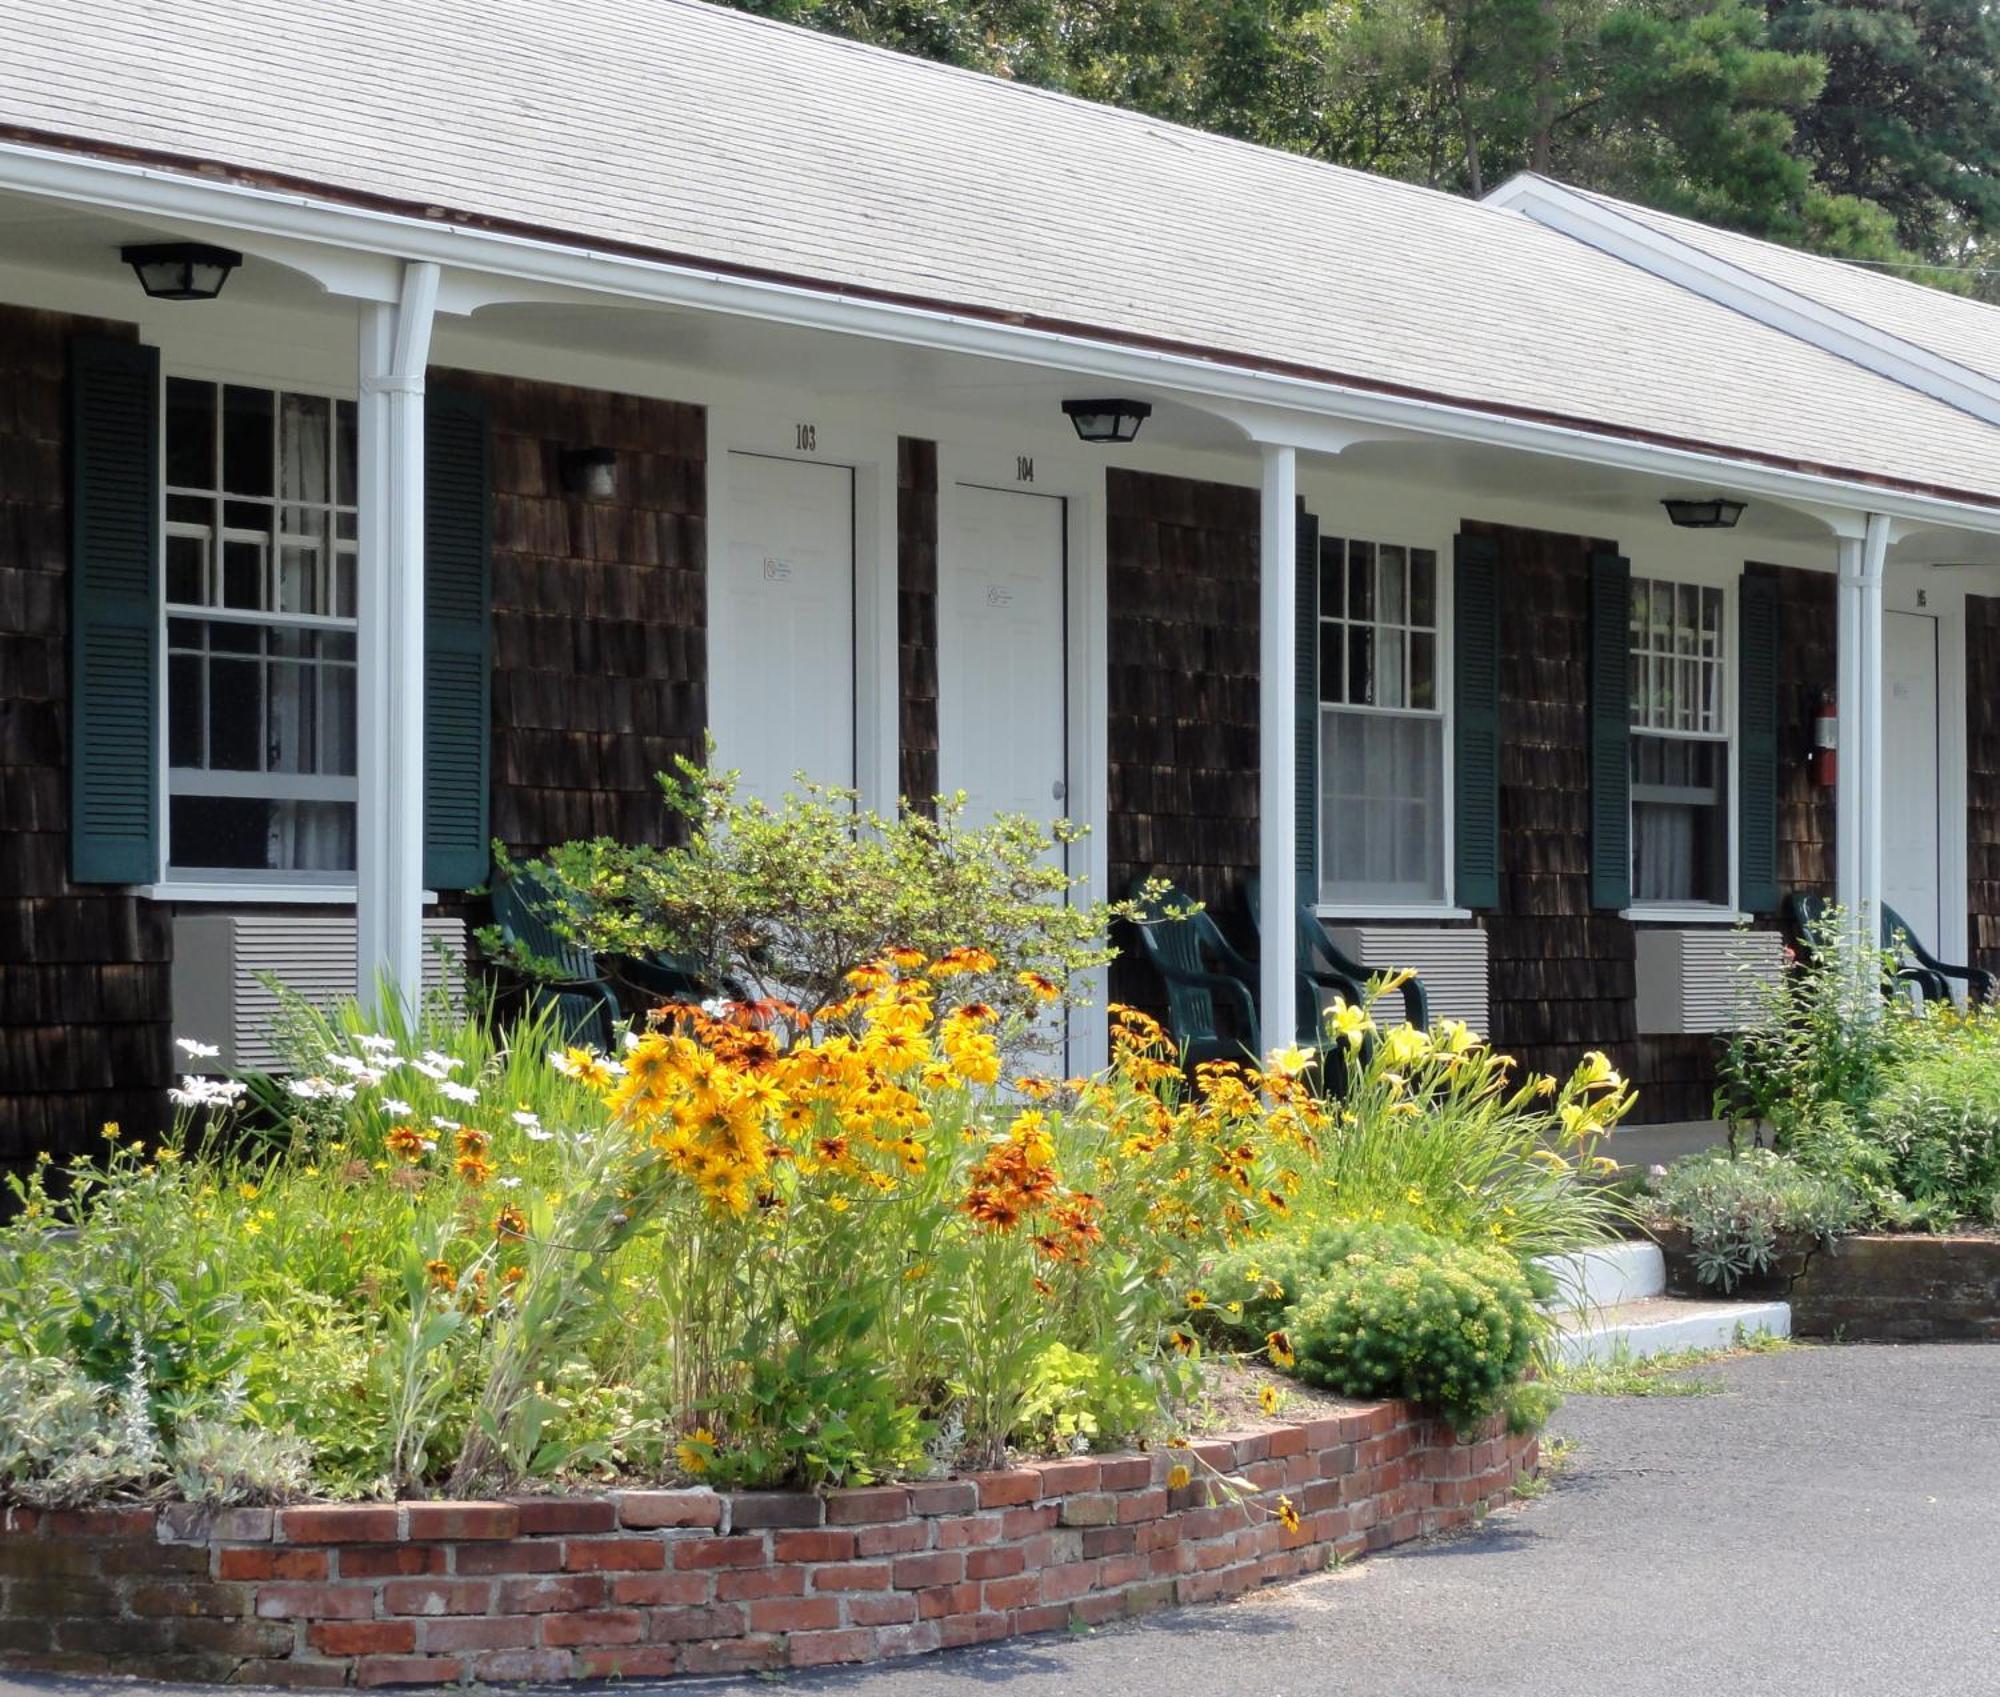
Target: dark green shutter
1610, 731
1757, 745
458, 548
1475, 705
1305, 711
115, 589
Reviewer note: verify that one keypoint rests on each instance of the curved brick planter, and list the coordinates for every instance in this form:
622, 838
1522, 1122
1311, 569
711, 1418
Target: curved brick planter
651, 1583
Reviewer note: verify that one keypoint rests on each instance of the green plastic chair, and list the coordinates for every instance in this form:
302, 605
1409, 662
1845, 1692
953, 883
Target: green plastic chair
1202, 973
583, 998
1325, 970
1923, 971
1977, 980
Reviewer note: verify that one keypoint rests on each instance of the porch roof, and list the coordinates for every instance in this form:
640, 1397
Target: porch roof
692, 135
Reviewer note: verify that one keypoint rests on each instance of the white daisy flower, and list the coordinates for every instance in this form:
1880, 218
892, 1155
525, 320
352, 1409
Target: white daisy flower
200, 1051
444, 1124
444, 1062
458, 1092
527, 1120
396, 1105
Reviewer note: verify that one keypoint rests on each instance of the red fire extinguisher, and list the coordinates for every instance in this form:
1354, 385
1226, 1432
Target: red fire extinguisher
1826, 740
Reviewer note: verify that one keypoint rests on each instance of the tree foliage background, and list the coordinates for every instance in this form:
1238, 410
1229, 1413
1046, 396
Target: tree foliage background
1869, 129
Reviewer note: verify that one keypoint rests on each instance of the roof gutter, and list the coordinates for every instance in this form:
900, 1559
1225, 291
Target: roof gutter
62, 169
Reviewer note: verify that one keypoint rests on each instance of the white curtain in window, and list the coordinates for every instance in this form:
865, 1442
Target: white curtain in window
1663, 854
1381, 807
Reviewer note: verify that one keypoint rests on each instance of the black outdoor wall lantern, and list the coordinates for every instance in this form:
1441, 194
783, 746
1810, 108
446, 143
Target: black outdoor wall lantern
181, 271
1703, 512
1108, 421
590, 472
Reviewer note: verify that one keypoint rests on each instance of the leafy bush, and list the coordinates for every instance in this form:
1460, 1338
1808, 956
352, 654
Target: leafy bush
1737, 1208
1938, 1127
1385, 1310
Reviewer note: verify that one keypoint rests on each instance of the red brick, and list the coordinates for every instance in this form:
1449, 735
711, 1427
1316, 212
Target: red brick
1110, 1540
1016, 1591
746, 1551
733, 1655
463, 1522
1125, 1472
1252, 1446
1096, 1509
896, 1539
437, 1596
477, 1632
314, 1602
944, 1496
261, 1561
1096, 1610
662, 1590
1060, 1478
961, 1629
897, 1608
523, 1555
614, 1555
1120, 1571
740, 1584
547, 1594
948, 1600
1045, 1617
1148, 1504
719, 1620
545, 1516
1287, 1441
1026, 1522
968, 1529
341, 1523
812, 1546
750, 1509
388, 1561
408, 1670
608, 1626
821, 1649
646, 1661
516, 1667
995, 1563
102, 1522
649, 1510
20, 1520
939, 1567
870, 1505
362, 1637
794, 1614
1070, 1580
197, 1523
1005, 1489
912, 1640
293, 1671
852, 1576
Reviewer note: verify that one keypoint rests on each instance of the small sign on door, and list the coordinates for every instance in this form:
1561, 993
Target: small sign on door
999, 595
777, 571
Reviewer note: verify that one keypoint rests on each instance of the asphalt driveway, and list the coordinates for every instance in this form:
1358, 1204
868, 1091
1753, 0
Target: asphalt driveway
1829, 1525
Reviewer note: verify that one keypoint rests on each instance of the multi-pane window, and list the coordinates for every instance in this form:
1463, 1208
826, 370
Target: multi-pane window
1680, 743
1381, 724
260, 602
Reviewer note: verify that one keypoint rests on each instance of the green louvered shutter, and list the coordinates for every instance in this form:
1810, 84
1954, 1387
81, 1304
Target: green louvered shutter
1475, 705
1305, 711
458, 549
1757, 744
114, 457
1610, 731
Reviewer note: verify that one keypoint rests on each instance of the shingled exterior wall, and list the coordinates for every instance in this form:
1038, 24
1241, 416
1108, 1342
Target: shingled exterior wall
916, 619
83, 969
647, 1584
1982, 776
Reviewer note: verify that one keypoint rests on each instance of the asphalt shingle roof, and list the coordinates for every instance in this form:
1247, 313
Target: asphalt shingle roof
688, 131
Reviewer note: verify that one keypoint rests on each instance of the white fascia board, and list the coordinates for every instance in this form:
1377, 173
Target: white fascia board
154, 193
1591, 221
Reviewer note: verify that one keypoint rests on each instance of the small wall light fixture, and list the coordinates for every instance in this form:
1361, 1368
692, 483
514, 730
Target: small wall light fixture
181, 271
590, 472
1108, 421
1703, 512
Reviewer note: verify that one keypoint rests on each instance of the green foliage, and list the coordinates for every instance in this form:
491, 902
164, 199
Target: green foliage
1376, 1310
1662, 1375
1739, 1208
1937, 1127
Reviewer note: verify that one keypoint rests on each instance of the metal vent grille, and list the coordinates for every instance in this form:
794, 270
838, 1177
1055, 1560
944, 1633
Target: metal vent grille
1450, 960
222, 961
1703, 980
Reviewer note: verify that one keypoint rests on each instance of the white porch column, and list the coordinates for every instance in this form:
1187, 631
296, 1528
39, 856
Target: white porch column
395, 348
1277, 752
1858, 793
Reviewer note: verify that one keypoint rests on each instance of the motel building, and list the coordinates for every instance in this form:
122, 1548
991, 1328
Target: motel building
410, 439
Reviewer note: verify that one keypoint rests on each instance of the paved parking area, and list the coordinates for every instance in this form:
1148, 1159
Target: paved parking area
1829, 1525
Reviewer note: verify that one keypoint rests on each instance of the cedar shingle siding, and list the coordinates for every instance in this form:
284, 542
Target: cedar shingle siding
1982, 775
916, 619
599, 611
83, 970
1807, 663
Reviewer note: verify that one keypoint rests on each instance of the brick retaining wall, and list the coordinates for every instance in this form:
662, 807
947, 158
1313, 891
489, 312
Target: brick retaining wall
645, 1584
1899, 1289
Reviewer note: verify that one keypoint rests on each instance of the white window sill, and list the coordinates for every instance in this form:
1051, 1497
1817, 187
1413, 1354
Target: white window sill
1391, 910
1686, 913
275, 892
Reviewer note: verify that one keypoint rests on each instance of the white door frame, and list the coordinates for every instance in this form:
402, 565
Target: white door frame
821, 436
1078, 479
1917, 589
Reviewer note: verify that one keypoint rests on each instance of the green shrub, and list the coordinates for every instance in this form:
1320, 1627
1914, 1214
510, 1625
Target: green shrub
1737, 1207
1382, 1310
1938, 1127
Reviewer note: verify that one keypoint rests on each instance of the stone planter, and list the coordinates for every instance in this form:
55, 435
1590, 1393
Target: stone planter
1884, 1288
1796, 1251
645, 1584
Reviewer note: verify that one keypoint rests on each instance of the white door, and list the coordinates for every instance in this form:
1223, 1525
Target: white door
1002, 710
1911, 882
781, 625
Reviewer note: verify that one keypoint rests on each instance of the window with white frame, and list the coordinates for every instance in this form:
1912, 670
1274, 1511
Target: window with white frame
1680, 744
260, 631
1381, 724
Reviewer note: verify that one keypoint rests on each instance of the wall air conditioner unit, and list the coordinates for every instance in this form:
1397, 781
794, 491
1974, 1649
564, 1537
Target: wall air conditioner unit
1703, 979
1451, 960
222, 961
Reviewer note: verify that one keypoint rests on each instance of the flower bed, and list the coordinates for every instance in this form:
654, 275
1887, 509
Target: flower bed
648, 1584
